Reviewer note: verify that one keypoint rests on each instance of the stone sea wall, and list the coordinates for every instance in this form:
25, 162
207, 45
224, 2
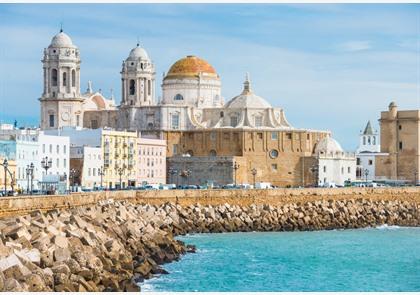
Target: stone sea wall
113, 245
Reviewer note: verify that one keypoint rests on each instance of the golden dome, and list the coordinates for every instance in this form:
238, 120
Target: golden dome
191, 66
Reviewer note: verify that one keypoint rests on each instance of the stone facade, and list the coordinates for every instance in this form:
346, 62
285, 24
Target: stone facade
400, 140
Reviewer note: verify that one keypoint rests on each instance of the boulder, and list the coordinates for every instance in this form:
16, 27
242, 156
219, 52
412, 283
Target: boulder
12, 285
35, 283
62, 254
61, 241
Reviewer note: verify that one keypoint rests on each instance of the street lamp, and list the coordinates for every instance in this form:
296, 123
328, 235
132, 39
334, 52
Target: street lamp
30, 177
5, 165
188, 173
254, 173
101, 173
46, 164
235, 167
314, 170
366, 173
415, 177
120, 173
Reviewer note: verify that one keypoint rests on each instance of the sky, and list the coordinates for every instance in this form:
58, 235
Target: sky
329, 66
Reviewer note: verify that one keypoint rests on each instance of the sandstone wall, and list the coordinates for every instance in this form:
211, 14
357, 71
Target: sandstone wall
20, 205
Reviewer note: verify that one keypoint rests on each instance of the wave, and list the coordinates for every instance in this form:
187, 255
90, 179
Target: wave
387, 227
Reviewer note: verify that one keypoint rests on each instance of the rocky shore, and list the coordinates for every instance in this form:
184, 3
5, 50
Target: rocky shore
113, 246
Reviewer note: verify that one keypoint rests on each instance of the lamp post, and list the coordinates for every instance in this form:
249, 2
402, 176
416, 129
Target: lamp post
101, 173
235, 167
120, 173
5, 165
415, 177
46, 164
30, 177
65, 183
366, 173
254, 173
314, 170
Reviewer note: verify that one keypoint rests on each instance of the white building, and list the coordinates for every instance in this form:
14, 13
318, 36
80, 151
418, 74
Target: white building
369, 148
334, 165
27, 149
32, 146
151, 161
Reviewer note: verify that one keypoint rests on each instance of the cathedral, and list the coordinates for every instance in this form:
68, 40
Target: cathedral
191, 115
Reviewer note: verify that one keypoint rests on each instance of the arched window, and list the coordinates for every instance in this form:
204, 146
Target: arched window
364, 140
374, 140
149, 87
73, 78
221, 114
132, 87
369, 140
178, 97
54, 77
64, 79
213, 153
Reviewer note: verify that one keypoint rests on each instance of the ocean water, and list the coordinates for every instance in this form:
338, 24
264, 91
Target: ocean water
374, 259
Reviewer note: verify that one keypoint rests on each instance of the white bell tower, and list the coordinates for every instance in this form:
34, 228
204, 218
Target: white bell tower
369, 140
138, 79
61, 102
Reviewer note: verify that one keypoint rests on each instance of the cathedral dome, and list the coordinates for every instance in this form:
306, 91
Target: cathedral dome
138, 53
61, 40
247, 99
191, 66
328, 145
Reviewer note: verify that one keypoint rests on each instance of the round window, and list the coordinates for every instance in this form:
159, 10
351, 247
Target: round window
274, 154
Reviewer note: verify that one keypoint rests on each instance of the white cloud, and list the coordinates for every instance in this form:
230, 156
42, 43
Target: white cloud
352, 46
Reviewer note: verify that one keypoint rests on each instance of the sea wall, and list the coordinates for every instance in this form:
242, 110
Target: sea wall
112, 245
12, 206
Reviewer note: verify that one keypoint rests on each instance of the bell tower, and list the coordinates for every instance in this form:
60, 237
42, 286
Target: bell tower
138, 79
61, 102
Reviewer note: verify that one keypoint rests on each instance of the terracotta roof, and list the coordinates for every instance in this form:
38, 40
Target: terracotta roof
191, 66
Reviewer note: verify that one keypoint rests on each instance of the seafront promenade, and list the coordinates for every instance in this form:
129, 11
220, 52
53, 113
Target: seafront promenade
111, 241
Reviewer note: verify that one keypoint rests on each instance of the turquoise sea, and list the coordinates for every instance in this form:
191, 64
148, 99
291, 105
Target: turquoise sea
375, 259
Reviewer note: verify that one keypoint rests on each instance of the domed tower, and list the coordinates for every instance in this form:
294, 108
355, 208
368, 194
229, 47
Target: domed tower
61, 102
191, 81
138, 79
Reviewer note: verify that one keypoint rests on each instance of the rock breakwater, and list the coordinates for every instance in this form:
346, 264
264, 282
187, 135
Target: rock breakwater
114, 245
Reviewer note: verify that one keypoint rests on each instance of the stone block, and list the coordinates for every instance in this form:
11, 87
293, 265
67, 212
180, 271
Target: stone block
61, 241
61, 254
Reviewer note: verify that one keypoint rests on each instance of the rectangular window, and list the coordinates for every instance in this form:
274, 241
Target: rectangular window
274, 135
233, 121
289, 135
370, 162
64, 149
274, 167
325, 168
357, 161
175, 121
175, 149
58, 149
43, 148
94, 171
348, 170
213, 136
77, 120
342, 170
401, 145
307, 136
89, 172
399, 127
50, 148
51, 120
65, 163
58, 162
258, 121
94, 124
259, 135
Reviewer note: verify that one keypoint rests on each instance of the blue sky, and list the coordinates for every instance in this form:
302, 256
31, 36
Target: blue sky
330, 66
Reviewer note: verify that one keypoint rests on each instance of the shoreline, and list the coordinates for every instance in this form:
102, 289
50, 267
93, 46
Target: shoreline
113, 245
